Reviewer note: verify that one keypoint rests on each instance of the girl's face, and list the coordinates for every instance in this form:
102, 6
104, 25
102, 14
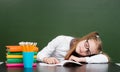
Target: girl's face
86, 47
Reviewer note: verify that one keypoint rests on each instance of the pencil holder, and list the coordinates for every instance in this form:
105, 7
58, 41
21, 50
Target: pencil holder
28, 69
28, 53
28, 59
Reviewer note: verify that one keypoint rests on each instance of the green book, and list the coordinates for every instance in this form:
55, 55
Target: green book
17, 60
18, 53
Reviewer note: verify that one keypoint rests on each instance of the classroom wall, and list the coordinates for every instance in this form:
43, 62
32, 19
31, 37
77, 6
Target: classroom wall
42, 20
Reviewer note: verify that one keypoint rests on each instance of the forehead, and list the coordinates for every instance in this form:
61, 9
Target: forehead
93, 46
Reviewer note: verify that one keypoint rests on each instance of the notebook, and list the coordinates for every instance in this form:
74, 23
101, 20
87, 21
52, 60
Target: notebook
118, 64
1, 63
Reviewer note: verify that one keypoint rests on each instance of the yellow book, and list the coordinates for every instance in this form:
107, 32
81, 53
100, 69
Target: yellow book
18, 56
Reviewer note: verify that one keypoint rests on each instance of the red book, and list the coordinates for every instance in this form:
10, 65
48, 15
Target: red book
17, 65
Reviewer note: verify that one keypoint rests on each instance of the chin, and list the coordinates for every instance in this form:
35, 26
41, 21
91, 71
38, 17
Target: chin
82, 55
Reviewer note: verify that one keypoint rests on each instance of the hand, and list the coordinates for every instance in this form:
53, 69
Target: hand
77, 59
51, 60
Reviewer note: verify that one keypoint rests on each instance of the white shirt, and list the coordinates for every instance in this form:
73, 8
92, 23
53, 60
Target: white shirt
59, 47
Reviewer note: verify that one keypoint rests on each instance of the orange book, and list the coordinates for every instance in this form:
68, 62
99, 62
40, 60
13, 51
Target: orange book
18, 48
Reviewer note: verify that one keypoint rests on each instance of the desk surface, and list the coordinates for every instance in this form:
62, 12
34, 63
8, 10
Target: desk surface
111, 67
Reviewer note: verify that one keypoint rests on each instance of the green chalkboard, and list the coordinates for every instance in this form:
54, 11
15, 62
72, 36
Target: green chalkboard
42, 20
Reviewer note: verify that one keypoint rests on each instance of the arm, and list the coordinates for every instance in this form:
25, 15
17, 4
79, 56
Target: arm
77, 59
46, 52
100, 58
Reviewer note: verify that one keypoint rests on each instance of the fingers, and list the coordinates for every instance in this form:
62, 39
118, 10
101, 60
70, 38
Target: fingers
74, 58
51, 60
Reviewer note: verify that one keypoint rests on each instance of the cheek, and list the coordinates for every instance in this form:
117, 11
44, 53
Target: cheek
81, 45
83, 54
80, 48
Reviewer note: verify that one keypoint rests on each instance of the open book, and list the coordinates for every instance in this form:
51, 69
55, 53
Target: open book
66, 63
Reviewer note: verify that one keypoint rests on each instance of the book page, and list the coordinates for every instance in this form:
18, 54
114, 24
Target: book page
63, 63
45, 64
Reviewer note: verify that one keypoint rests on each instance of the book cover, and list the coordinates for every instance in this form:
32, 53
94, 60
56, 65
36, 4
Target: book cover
17, 60
18, 65
17, 53
18, 48
17, 56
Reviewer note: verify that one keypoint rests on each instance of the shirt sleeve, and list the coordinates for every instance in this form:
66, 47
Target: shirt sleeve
49, 49
100, 58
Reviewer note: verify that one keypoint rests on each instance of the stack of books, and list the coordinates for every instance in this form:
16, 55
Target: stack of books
14, 56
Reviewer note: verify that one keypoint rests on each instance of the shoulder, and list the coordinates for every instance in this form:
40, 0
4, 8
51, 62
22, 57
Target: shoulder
60, 38
64, 37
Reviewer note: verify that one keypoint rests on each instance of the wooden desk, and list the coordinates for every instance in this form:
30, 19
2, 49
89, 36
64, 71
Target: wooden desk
84, 68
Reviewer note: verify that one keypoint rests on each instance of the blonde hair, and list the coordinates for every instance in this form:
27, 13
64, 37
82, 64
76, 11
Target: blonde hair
92, 35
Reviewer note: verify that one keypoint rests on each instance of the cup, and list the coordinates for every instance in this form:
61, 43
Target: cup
28, 69
28, 58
